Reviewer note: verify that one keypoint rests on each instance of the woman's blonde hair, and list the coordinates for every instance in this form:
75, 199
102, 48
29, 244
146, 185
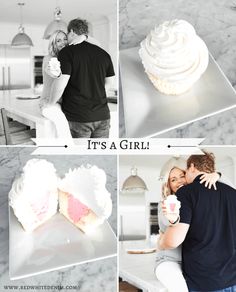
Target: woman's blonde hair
52, 46
174, 162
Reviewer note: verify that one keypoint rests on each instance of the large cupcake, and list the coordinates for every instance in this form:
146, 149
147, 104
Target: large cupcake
83, 197
34, 195
174, 56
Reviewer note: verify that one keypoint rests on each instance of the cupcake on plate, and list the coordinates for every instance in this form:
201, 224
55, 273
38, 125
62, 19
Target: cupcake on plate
174, 56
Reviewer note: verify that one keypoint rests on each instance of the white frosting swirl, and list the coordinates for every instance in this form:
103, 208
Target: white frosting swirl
88, 184
174, 53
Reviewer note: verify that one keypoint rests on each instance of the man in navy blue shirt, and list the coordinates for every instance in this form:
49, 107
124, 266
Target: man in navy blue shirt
207, 229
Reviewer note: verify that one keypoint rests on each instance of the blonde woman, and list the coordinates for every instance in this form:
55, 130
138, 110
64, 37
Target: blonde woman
61, 129
168, 262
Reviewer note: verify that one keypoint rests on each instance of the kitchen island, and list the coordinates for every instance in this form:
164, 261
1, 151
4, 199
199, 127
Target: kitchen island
26, 111
138, 269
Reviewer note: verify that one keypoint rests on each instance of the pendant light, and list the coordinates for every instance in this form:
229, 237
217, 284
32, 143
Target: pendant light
56, 24
134, 183
21, 39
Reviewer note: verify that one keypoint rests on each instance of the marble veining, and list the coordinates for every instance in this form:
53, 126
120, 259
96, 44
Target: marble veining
215, 22
98, 276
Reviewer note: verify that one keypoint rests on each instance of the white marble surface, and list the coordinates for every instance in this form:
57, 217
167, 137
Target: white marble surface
215, 22
143, 275
95, 276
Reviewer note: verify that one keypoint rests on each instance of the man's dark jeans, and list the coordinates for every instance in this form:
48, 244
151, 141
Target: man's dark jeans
99, 129
229, 289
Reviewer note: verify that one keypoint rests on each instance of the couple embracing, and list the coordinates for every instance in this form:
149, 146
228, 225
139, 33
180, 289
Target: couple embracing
74, 96
196, 250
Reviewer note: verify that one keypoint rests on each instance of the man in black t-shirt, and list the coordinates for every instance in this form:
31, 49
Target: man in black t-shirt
207, 229
86, 69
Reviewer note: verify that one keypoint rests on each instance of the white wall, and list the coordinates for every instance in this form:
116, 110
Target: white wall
226, 167
105, 31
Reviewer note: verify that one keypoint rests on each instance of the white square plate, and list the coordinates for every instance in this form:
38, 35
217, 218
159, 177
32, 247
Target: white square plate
148, 112
54, 245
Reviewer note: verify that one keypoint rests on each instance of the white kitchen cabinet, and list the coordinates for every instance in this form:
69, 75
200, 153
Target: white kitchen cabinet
100, 31
132, 210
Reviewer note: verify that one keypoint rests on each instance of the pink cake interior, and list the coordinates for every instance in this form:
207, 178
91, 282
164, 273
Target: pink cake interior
172, 207
40, 207
76, 210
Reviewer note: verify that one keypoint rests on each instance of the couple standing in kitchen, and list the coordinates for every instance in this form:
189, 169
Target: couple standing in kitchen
74, 96
205, 225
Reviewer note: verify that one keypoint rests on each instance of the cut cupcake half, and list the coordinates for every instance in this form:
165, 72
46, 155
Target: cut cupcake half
34, 195
83, 197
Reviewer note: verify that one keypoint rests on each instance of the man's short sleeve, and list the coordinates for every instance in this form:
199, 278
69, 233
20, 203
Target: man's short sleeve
110, 70
186, 205
66, 61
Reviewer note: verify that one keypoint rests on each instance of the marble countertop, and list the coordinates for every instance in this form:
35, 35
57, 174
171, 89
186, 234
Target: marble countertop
98, 276
215, 22
140, 275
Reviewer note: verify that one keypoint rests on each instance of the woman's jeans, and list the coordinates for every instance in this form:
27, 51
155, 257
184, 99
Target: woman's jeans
55, 114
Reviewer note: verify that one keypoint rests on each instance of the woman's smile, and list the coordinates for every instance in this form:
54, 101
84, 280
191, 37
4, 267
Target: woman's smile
61, 41
178, 187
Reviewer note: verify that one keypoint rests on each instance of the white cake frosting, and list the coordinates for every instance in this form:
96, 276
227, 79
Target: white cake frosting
54, 64
172, 199
88, 185
173, 56
34, 195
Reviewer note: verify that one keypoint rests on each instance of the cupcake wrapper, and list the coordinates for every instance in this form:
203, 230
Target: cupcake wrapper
168, 88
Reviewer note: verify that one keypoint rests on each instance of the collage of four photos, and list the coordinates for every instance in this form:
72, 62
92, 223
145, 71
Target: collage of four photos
80, 212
